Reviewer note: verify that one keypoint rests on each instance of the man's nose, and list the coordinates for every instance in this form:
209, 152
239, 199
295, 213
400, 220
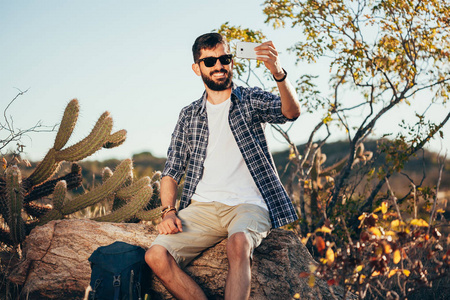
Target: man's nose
218, 64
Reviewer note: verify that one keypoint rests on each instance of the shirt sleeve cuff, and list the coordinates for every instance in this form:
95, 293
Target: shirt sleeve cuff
173, 174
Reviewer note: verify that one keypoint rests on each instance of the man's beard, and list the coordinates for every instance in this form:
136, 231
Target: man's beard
220, 85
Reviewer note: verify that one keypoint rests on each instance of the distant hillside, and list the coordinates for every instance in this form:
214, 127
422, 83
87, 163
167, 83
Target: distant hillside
424, 162
145, 164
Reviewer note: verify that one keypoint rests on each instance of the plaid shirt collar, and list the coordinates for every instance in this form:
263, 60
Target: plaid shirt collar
236, 96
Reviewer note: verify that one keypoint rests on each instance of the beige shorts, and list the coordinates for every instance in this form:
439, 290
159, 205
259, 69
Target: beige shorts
207, 223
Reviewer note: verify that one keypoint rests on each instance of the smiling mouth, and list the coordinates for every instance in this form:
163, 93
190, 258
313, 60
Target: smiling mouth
219, 73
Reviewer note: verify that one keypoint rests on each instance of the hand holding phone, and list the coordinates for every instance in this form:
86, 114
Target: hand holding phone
246, 50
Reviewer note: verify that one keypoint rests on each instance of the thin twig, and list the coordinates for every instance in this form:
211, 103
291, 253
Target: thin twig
15, 135
9, 104
394, 199
433, 211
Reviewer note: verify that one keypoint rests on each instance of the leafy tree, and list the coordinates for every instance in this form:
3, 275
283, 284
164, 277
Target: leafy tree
384, 55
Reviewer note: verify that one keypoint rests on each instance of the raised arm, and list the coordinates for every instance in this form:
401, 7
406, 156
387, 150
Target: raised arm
289, 102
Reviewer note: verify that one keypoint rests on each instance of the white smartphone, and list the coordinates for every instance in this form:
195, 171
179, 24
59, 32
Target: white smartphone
246, 50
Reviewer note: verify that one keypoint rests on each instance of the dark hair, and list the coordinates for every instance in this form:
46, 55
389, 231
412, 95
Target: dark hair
208, 41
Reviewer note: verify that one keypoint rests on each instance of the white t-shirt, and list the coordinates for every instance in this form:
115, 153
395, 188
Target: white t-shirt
226, 178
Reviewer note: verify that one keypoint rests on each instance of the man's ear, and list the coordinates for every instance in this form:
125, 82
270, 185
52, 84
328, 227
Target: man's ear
196, 69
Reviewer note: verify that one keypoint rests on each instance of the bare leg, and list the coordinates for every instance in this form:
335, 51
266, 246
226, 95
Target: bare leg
239, 270
177, 282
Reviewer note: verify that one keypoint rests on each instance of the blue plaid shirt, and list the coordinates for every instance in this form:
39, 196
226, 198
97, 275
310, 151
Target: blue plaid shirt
250, 109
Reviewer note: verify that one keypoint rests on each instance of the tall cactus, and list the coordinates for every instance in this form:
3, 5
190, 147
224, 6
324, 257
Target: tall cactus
18, 196
14, 198
99, 137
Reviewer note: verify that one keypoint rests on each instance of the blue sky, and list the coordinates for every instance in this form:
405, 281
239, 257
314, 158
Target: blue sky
131, 58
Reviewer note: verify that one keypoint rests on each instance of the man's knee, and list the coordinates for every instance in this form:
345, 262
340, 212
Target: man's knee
238, 246
157, 258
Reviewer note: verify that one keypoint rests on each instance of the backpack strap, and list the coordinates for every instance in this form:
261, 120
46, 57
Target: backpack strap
116, 284
139, 291
96, 285
130, 287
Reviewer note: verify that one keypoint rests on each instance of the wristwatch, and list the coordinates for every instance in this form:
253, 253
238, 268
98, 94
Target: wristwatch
282, 79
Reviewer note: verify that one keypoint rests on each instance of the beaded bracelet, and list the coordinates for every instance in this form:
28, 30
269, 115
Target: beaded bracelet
166, 210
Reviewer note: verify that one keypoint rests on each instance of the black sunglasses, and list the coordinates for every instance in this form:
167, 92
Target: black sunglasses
211, 61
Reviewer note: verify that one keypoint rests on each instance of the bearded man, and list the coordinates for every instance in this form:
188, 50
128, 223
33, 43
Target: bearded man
232, 189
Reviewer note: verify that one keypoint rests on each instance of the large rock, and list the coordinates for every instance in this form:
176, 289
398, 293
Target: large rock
55, 262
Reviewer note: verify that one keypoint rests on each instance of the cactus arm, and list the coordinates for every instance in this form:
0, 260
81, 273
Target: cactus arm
115, 139
15, 196
45, 169
122, 173
59, 195
50, 216
106, 174
130, 209
149, 215
67, 124
73, 180
156, 176
36, 210
132, 189
91, 144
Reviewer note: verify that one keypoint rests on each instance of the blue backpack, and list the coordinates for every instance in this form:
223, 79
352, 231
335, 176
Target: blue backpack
119, 272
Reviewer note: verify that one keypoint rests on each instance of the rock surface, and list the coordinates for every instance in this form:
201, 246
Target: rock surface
55, 262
